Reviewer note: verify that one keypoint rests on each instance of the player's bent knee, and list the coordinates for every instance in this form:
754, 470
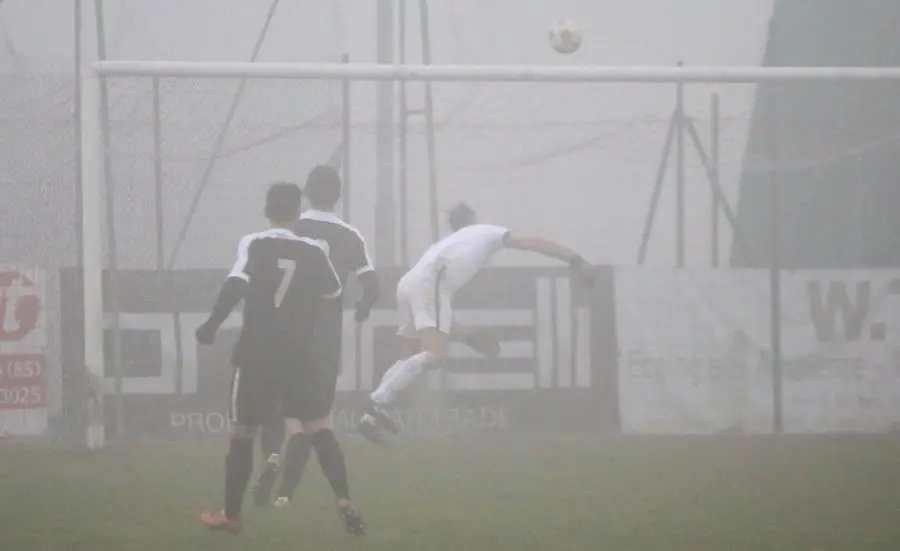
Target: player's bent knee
313, 427
293, 426
242, 432
434, 342
324, 436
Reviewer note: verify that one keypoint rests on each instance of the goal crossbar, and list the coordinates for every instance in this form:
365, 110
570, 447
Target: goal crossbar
489, 73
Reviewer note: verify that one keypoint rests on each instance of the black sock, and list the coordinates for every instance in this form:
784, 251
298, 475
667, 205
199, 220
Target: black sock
238, 468
331, 459
295, 458
270, 438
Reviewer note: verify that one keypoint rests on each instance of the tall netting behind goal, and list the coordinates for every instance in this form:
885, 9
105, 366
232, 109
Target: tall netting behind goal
189, 159
187, 165
661, 168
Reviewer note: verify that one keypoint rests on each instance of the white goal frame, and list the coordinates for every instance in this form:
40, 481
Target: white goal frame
92, 128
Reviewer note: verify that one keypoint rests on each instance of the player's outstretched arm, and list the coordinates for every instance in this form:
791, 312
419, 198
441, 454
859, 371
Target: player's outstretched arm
548, 248
540, 245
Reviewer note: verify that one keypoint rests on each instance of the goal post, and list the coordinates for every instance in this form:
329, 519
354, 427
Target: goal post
92, 242
491, 73
528, 157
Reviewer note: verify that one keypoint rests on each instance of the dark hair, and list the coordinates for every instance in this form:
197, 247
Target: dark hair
323, 186
283, 202
460, 216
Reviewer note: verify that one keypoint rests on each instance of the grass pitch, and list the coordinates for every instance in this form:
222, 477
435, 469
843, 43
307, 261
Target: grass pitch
506, 493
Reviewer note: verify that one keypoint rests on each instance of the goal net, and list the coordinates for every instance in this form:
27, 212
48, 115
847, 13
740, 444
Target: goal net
626, 166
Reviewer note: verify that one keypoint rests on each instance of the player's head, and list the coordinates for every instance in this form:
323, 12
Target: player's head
283, 203
323, 187
460, 216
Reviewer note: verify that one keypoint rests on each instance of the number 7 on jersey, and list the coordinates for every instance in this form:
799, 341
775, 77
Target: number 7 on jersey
287, 266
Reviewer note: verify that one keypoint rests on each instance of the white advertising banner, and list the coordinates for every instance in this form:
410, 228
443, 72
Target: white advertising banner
23, 344
841, 348
695, 351
692, 351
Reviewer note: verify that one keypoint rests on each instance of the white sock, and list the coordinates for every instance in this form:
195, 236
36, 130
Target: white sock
400, 376
391, 372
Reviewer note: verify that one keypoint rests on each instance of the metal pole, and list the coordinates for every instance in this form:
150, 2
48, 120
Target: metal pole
157, 177
679, 182
714, 174
92, 239
739, 237
403, 182
385, 224
220, 140
112, 246
80, 423
429, 124
79, 232
347, 195
775, 271
657, 191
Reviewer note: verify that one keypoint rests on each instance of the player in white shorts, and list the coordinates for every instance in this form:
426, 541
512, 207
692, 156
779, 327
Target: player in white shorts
425, 296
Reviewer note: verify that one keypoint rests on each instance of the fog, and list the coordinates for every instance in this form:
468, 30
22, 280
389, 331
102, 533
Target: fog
578, 159
585, 411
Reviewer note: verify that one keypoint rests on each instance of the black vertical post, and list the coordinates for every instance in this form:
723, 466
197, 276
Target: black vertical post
657, 190
714, 173
680, 198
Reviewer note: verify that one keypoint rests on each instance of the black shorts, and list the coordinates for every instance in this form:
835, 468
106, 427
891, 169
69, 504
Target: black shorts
309, 393
301, 388
293, 380
255, 398
312, 389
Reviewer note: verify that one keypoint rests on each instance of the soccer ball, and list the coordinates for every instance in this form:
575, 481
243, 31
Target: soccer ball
565, 36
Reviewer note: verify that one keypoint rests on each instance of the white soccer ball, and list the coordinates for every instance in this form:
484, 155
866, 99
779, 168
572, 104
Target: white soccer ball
565, 36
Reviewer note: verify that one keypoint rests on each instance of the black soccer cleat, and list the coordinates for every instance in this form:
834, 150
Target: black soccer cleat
263, 489
352, 520
382, 419
370, 431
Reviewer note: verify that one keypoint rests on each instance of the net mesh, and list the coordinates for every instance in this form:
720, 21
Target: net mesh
578, 163
277, 131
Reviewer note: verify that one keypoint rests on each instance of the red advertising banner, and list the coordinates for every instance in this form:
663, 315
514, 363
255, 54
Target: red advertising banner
23, 351
23, 384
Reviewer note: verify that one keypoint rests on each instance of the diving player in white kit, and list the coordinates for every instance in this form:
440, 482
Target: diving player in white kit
424, 299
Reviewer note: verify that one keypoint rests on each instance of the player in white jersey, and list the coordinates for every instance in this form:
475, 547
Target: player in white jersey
424, 299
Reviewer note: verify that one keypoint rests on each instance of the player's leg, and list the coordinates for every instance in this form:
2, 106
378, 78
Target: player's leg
377, 415
431, 323
309, 403
331, 459
271, 437
318, 378
296, 455
480, 339
247, 407
431, 317
433, 344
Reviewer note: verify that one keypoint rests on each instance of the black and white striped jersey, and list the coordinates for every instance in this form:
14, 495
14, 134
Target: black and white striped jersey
345, 244
288, 278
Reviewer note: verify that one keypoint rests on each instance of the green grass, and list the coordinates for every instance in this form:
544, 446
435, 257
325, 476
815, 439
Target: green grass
473, 493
